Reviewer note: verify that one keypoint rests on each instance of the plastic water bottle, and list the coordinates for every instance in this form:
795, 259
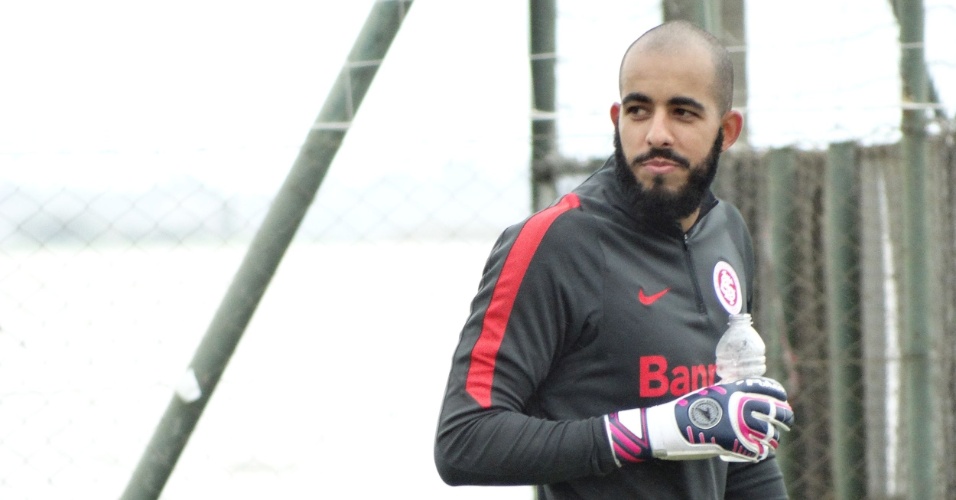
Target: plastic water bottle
741, 352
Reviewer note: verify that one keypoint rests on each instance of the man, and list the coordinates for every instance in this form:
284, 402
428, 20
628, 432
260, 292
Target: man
586, 366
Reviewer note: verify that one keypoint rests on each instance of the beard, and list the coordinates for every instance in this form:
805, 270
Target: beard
656, 202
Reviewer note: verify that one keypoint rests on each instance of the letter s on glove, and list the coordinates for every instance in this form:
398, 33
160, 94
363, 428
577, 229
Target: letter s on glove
738, 421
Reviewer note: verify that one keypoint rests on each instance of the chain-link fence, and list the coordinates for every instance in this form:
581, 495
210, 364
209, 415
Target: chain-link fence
97, 319
113, 261
105, 296
794, 309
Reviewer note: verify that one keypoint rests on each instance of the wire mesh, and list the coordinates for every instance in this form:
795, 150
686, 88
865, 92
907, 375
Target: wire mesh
801, 304
118, 239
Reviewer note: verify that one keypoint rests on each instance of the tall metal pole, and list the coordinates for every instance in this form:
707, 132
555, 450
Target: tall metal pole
781, 164
932, 94
734, 36
725, 19
916, 343
703, 13
543, 14
843, 322
266, 250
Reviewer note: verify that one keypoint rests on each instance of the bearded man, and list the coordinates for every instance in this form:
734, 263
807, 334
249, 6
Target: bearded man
586, 366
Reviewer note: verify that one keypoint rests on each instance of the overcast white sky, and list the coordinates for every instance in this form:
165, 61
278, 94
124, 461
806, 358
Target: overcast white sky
225, 91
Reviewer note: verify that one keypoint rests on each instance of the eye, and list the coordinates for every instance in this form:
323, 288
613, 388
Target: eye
685, 113
636, 111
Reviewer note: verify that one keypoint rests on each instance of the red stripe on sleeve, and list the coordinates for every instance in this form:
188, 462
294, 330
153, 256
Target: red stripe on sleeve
481, 372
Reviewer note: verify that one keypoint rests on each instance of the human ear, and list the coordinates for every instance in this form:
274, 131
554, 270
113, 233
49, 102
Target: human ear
615, 113
732, 124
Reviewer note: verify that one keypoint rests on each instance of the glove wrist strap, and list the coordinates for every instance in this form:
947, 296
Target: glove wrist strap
627, 432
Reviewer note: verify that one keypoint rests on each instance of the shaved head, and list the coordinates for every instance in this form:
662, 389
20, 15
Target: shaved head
682, 35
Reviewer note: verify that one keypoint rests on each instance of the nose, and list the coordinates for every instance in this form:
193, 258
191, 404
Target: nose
659, 134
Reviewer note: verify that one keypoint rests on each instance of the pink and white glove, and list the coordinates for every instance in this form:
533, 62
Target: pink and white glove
737, 421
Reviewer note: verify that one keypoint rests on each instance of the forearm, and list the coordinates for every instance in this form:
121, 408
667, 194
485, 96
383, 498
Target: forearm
755, 480
509, 448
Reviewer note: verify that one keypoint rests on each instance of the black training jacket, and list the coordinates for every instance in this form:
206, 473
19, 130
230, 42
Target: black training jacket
584, 309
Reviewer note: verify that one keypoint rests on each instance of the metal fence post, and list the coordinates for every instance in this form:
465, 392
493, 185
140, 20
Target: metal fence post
916, 342
843, 322
544, 149
266, 250
781, 174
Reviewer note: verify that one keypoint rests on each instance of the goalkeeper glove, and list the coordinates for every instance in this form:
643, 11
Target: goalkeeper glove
737, 421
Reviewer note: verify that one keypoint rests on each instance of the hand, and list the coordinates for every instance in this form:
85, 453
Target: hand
739, 421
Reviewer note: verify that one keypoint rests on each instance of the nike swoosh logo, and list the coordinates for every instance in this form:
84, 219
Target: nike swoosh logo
650, 299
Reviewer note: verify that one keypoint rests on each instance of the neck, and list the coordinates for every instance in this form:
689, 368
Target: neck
688, 222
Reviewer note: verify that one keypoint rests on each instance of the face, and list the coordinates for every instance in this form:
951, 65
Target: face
663, 204
668, 127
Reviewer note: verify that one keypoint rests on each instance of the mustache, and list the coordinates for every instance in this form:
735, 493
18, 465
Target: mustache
666, 154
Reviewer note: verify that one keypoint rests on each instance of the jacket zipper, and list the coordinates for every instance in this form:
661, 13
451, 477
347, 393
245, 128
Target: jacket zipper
693, 276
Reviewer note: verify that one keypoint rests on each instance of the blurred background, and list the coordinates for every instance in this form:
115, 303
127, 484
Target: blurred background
142, 145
